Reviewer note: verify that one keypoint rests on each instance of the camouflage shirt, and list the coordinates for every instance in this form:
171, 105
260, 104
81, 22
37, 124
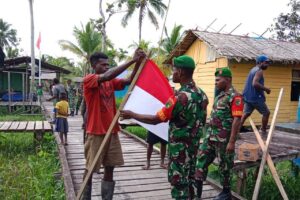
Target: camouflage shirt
187, 118
226, 106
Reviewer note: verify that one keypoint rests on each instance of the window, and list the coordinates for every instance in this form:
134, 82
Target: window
295, 87
211, 54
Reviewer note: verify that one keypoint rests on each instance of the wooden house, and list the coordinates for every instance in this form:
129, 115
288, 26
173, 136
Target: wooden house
215, 50
15, 74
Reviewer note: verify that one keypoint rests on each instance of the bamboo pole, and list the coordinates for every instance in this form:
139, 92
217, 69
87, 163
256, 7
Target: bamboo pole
109, 132
269, 161
265, 150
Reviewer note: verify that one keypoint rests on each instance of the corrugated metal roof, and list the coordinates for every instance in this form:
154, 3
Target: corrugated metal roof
241, 47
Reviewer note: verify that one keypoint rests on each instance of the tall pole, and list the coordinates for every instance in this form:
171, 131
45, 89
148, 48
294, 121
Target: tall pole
32, 51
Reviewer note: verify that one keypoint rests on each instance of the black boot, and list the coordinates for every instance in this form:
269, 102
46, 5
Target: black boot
199, 186
76, 112
224, 195
107, 190
72, 113
87, 192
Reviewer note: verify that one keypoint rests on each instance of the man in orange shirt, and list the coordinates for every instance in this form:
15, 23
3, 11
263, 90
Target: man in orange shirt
101, 108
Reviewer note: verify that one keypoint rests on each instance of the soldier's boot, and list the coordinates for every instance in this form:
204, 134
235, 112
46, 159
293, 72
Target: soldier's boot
76, 112
224, 195
199, 186
72, 113
107, 190
87, 192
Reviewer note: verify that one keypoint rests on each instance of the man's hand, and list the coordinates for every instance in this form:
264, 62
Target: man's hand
268, 90
126, 114
230, 147
139, 55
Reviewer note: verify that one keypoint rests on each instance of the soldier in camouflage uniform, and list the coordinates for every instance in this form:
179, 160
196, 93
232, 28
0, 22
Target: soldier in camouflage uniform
221, 132
186, 113
71, 96
79, 92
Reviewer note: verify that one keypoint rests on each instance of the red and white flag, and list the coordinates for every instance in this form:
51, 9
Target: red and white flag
149, 95
38, 42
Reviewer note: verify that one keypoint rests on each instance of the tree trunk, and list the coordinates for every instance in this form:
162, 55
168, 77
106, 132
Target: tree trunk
103, 28
32, 51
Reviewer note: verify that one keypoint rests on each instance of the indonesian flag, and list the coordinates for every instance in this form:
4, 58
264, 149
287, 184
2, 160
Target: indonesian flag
149, 95
38, 42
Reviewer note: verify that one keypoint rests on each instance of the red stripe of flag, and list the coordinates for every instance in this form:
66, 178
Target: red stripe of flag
38, 42
154, 82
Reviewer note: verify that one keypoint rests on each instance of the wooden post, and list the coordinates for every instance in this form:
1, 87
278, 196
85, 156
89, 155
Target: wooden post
266, 148
23, 87
9, 92
269, 161
109, 132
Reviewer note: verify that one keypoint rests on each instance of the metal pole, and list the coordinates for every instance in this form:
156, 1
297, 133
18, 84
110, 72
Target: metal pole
40, 68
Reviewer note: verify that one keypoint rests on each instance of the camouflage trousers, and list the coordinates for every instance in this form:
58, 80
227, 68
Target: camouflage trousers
208, 151
71, 103
181, 176
78, 103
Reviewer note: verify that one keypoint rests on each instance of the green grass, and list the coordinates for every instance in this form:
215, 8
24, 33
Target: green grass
27, 171
268, 189
138, 131
21, 117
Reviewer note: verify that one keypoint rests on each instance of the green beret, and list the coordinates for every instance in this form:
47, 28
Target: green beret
225, 72
184, 62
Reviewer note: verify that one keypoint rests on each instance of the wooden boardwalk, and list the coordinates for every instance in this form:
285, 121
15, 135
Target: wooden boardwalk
131, 181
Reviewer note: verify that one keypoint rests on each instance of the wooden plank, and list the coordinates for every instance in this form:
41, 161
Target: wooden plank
38, 125
14, 126
1, 123
47, 126
30, 126
5, 126
22, 126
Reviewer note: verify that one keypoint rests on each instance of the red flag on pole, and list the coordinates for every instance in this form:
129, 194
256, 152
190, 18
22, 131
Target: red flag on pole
38, 42
150, 94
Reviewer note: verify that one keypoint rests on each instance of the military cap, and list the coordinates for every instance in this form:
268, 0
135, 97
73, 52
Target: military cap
225, 72
184, 62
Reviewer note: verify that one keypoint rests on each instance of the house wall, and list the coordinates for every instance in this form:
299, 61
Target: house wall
276, 77
15, 82
204, 74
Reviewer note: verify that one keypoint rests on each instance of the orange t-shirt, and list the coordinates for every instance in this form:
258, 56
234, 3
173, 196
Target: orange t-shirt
100, 103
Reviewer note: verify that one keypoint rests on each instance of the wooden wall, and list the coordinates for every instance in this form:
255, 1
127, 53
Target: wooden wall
276, 76
204, 74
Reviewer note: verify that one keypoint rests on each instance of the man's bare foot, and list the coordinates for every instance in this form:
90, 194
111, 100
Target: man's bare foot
146, 167
164, 166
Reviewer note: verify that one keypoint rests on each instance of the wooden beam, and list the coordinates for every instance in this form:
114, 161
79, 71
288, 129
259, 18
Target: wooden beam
265, 150
22, 126
269, 161
47, 126
38, 125
14, 126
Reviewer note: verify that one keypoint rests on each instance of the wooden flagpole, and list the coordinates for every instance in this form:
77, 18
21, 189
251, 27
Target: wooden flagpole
266, 148
269, 161
109, 132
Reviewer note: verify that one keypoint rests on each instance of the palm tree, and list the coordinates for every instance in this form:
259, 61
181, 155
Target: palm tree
170, 42
8, 36
89, 41
144, 8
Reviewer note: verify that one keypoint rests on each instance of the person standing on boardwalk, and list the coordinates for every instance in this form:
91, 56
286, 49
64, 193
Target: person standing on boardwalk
223, 127
61, 124
186, 114
79, 93
57, 90
98, 91
151, 140
254, 93
71, 96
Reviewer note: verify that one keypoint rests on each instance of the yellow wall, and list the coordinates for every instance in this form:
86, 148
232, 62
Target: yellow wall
204, 74
276, 76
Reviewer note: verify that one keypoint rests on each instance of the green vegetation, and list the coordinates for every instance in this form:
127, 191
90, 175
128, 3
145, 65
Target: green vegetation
268, 189
27, 171
138, 131
21, 117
